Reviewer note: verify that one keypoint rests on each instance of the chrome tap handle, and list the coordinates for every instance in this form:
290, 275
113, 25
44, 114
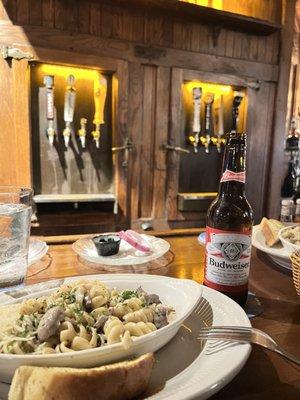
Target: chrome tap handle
179, 149
127, 147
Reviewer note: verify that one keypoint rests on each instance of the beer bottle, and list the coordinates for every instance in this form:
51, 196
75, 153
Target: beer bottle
229, 226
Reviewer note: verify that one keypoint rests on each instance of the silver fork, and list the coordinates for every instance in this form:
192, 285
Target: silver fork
245, 335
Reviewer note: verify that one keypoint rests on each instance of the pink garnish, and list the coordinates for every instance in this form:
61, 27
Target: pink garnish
135, 240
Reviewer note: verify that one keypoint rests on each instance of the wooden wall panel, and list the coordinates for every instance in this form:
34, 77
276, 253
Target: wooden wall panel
84, 17
22, 12
174, 139
14, 117
163, 84
149, 127
35, 12
138, 26
148, 142
277, 163
136, 79
94, 13
96, 29
259, 138
48, 13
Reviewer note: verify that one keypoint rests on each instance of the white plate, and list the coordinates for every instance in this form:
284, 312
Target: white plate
277, 253
182, 294
215, 366
37, 250
127, 255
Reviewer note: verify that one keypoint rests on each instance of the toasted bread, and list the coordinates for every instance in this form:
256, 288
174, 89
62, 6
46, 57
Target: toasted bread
270, 229
124, 380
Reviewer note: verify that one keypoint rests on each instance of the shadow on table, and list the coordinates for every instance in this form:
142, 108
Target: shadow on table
259, 380
280, 310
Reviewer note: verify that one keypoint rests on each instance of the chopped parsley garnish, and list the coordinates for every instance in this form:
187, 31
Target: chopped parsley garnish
23, 334
128, 294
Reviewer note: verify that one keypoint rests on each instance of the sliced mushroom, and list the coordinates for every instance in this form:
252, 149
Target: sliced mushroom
49, 323
160, 317
87, 303
100, 322
152, 299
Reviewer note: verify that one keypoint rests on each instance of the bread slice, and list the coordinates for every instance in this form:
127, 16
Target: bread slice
124, 380
270, 229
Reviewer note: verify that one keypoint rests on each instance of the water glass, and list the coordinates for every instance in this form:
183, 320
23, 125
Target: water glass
15, 216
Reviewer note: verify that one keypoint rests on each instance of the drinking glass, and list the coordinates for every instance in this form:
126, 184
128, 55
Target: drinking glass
15, 216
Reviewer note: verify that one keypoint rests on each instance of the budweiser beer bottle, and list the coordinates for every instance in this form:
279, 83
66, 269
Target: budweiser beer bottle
229, 227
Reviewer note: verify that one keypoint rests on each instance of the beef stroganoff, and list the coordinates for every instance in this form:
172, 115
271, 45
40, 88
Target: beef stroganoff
83, 315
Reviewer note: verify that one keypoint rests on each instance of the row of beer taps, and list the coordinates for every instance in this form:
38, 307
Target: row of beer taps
206, 138
100, 91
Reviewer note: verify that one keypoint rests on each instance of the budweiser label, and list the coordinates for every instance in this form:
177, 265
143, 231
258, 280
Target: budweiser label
227, 260
233, 176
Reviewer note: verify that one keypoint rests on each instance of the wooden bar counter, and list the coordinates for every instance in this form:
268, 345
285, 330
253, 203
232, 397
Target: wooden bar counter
265, 375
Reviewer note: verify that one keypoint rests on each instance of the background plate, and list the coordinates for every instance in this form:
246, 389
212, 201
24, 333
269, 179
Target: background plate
278, 253
127, 255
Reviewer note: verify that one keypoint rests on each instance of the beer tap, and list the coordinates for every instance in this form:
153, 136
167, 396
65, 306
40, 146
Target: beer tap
194, 139
237, 99
82, 131
100, 90
218, 140
70, 96
208, 100
49, 83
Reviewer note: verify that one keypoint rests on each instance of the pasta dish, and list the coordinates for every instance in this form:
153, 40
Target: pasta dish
83, 315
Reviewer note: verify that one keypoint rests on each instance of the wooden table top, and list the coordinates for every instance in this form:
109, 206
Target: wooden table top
265, 375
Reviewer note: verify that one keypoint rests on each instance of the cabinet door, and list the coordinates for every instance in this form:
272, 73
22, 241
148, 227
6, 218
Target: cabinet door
257, 122
15, 118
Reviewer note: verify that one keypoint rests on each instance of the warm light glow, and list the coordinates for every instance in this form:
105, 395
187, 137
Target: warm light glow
217, 4
64, 71
215, 88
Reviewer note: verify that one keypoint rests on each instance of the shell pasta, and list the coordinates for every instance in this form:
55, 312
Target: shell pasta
83, 315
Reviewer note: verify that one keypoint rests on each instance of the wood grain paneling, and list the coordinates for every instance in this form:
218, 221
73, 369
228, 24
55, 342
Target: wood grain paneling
48, 13
14, 117
121, 133
84, 17
148, 142
174, 139
260, 132
137, 25
94, 14
150, 53
87, 44
162, 103
136, 75
277, 163
22, 12
35, 12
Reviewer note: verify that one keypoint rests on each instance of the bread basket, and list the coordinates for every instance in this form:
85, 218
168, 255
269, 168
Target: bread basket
295, 258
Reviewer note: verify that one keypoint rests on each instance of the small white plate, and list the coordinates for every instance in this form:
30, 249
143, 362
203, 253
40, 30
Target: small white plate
37, 250
127, 255
277, 253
